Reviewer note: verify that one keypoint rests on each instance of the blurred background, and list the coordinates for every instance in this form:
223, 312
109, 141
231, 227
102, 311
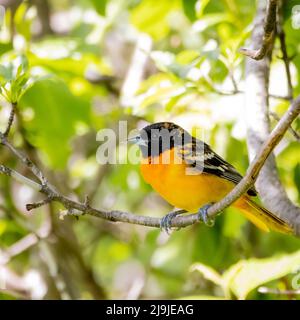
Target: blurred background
81, 66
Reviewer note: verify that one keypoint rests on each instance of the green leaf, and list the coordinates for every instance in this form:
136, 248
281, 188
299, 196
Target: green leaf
201, 7
162, 94
233, 223
4, 47
66, 66
211, 20
57, 113
13, 76
290, 156
189, 8
23, 66
288, 8
22, 22
247, 275
150, 16
6, 72
297, 177
100, 6
208, 273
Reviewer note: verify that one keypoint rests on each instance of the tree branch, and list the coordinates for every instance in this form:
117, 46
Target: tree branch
285, 57
27, 162
18, 247
11, 119
31, 206
236, 90
270, 189
267, 290
77, 208
256, 165
268, 35
19, 177
291, 130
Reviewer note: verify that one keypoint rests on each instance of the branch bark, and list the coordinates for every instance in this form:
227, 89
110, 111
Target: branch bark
291, 130
268, 184
11, 119
285, 57
269, 27
78, 208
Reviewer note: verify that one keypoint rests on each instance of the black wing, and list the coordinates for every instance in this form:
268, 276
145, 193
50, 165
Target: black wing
199, 156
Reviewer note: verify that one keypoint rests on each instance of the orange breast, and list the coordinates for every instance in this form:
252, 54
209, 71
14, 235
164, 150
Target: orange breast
181, 189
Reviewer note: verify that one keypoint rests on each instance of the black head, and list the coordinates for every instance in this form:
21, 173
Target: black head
159, 137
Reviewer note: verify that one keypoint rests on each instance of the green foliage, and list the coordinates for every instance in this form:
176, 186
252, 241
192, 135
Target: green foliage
14, 77
23, 21
151, 16
100, 6
246, 275
297, 177
69, 83
62, 110
189, 8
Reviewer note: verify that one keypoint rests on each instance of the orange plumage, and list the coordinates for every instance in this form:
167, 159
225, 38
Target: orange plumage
211, 183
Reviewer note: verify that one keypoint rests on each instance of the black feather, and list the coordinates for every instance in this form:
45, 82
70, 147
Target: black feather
200, 156
195, 153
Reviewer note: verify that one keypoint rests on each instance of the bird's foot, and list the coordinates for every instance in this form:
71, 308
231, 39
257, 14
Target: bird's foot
166, 221
203, 216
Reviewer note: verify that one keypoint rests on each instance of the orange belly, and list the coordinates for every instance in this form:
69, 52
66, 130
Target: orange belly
176, 186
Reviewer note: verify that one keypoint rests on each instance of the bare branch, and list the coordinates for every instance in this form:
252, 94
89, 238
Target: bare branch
291, 130
285, 57
267, 39
18, 247
266, 290
78, 208
20, 178
15, 284
11, 119
236, 90
31, 206
258, 162
275, 96
26, 161
269, 186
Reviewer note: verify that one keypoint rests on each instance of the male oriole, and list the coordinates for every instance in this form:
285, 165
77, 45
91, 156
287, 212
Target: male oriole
188, 174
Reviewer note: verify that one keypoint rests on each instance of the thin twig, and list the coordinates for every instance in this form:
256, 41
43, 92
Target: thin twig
26, 161
266, 290
233, 81
18, 247
271, 190
180, 221
258, 162
269, 28
292, 131
236, 91
285, 57
31, 206
20, 178
10, 119
275, 96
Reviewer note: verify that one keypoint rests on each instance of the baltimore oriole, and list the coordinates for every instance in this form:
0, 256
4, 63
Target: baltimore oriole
189, 175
